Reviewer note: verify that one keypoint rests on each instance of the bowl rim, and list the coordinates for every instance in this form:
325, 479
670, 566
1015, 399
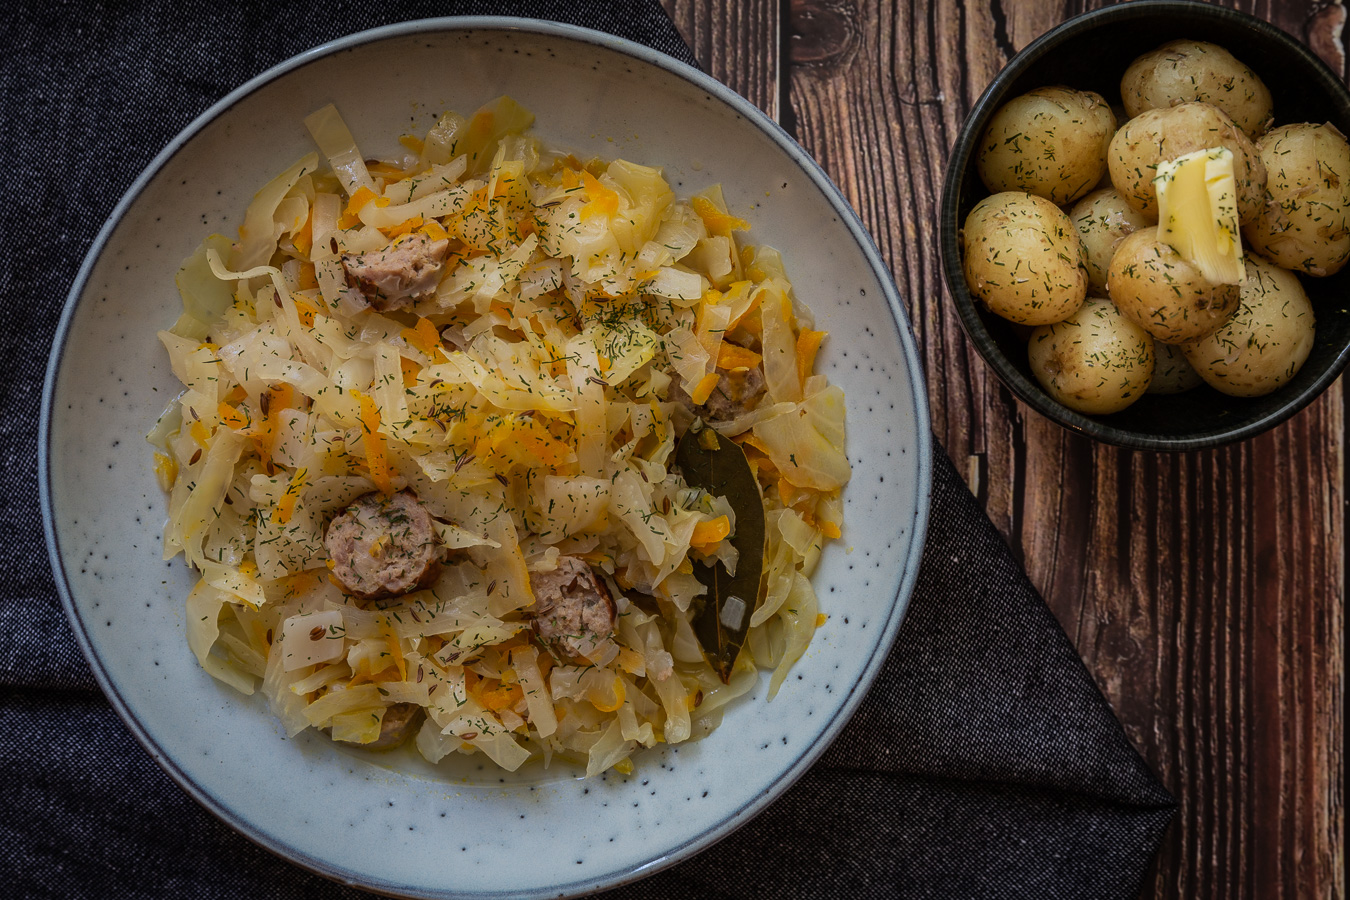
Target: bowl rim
923, 441
1025, 388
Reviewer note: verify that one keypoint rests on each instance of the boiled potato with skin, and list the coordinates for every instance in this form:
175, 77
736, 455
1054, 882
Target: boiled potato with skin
1103, 219
1184, 71
1050, 142
1164, 293
1022, 257
1265, 343
1305, 221
1159, 135
1172, 374
1096, 361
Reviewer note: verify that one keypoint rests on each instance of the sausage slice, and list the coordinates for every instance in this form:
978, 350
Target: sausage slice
573, 611
383, 546
393, 277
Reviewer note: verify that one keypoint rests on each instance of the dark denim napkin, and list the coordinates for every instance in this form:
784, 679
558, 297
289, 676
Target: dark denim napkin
983, 764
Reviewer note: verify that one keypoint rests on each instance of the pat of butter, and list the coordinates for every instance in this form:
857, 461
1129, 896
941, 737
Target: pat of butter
1197, 213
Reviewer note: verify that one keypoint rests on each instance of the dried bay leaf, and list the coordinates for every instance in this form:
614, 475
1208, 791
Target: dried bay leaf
718, 465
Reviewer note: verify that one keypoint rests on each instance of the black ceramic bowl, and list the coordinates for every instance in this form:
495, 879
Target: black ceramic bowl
1091, 52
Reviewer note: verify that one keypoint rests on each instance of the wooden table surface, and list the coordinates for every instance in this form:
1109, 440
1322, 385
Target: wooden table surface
1204, 590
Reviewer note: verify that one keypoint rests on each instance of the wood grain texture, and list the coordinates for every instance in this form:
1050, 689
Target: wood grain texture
1204, 590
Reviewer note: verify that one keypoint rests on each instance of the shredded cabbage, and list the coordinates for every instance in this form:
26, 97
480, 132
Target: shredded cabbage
583, 318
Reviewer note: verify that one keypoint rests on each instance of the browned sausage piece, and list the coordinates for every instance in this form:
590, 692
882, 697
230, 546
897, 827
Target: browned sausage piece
738, 391
400, 722
573, 612
383, 546
393, 277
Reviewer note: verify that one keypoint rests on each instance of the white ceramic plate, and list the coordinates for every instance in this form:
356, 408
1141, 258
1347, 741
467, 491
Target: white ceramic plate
391, 824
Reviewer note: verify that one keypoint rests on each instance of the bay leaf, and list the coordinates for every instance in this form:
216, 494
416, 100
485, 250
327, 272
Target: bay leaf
718, 465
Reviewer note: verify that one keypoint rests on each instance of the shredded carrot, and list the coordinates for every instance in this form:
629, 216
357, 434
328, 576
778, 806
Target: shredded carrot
276, 399
410, 371
620, 694
304, 238
703, 390
231, 417
829, 529
309, 279
236, 394
500, 698
424, 337
376, 459
363, 673
717, 222
407, 226
351, 216
305, 311
708, 534
730, 356
286, 505
200, 433
821, 619
434, 230
413, 143
603, 200
808, 343
750, 438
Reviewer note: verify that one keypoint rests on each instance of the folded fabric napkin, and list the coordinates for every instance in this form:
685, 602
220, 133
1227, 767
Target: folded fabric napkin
984, 762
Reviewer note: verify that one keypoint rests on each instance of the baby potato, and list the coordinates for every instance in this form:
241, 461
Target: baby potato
1022, 257
1265, 343
1183, 71
1103, 218
1096, 361
1164, 134
1050, 142
1164, 293
1172, 374
1305, 222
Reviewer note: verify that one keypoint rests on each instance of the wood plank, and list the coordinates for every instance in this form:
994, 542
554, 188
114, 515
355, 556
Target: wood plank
739, 43
1204, 590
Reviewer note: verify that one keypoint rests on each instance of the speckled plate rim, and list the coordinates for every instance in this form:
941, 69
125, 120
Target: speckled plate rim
734, 818
1028, 391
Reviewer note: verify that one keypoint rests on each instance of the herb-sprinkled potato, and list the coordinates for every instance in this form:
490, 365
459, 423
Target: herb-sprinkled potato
1164, 293
1103, 219
1183, 71
1265, 343
1164, 134
1172, 374
1050, 142
1305, 221
1096, 361
1022, 257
